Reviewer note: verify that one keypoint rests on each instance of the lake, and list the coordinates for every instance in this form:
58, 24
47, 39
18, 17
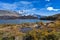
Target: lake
19, 21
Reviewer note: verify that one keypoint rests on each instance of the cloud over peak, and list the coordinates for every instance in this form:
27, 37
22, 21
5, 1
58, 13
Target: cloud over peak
52, 9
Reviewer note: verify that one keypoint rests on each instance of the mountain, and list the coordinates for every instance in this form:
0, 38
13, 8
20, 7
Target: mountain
34, 15
28, 17
53, 17
56, 15
4, 14
8, 13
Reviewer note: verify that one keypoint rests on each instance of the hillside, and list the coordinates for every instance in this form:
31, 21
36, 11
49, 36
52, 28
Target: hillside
28, 17
53, 17
8, 13
4, 14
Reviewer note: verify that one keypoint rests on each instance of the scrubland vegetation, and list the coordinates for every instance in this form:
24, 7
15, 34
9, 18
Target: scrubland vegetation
41, 31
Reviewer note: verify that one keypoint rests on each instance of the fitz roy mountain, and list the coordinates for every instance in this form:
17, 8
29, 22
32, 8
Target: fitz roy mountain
4, 14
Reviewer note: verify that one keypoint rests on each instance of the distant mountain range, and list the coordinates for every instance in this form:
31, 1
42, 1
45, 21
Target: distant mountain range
4, 14
53, 17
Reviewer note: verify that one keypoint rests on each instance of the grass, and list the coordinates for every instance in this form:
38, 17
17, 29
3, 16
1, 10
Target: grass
50, 31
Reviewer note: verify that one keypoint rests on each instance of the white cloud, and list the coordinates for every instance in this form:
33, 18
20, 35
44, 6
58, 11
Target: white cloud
47, 0
7, 6
16, 5
33, 8
28, 11
25, 2
52, 9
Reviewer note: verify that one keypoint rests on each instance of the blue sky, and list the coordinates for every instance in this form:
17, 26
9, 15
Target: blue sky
41, 7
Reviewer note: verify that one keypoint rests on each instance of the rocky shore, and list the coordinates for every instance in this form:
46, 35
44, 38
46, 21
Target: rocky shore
30, 31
